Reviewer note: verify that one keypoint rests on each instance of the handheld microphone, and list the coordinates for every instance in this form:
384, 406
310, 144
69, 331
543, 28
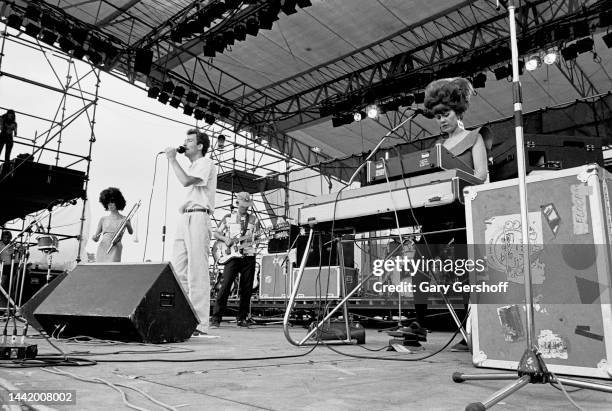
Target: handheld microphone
179, 149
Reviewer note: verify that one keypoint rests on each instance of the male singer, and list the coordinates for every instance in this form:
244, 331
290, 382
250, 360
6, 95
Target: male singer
192, 240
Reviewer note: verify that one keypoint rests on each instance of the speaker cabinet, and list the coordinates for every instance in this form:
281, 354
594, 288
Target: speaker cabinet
123, 302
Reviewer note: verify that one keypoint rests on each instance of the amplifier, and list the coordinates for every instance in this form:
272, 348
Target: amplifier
436, 158
324, 282
545, 152
274, 280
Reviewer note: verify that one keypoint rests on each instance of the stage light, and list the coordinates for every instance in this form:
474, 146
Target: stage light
267, 18
176, 36
240, 31
32, 13
358, 116
214, 108
581, 29
94, 57
569, 53
66, 45
502, 72
551, 56
304, 3
228, 37
209, 119
605, 19
607, 39
288, 7
225, 112
219, 43
188, 110
562, 33
32, 30
479, 80
252, 26
49, 37
407, 100
47, 21
198, 114
533, 62
341, 120
419, 97
79, 35
143, 61
372, 111
175, 102
163, 97
209, 49
584, 45
316, 149
14, 21
168, 87
78, 53
179, 91
191, 97
202, 102
153, 92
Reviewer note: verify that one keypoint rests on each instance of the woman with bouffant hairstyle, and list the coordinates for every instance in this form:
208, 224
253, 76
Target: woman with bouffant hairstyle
113, 201
448, 100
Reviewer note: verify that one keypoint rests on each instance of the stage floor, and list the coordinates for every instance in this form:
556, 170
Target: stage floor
320, 380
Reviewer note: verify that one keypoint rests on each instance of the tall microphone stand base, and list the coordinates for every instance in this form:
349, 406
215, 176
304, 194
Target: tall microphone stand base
531, 370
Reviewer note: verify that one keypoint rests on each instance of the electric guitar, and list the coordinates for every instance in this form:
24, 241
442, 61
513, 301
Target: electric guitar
222, 253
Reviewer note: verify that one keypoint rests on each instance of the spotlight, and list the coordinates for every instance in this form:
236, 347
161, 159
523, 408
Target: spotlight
202, 102
163, 97
32, 30
372, 111
219, 43
584, 45
225, 112
533, 62
240, 32
188, 110
228, 37
209, 49
94, 57
419, 97
32, 13
341, 120
153, 92
209, 119
304, 3
168, 87
214, 108
479, 80
49, 37
358, 116
79, 35
47, 21
608, 39
569, 53
14, 21
581, 29
143, 61
176, 36
501, 72
551, 56
252, 26
179, 91
66, 45
191, 97
407, 100
198, 114
79, 53
175, 102
288, 7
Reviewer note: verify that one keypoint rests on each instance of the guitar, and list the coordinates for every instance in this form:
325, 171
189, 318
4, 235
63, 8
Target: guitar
222, 253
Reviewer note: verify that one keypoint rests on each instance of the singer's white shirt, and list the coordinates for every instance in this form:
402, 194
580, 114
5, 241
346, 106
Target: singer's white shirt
201, 195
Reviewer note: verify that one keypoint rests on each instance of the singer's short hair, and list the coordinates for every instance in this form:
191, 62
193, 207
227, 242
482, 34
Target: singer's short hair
201, 138
112, 195
449, 93
7, 233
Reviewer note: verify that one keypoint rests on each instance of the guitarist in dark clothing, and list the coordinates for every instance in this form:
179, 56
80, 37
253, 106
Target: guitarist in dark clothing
236, 231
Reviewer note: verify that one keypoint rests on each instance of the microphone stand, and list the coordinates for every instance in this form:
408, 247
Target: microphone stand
165, 213
531, 367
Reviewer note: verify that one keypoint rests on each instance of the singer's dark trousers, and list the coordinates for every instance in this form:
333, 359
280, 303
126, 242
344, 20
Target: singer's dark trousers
245, 266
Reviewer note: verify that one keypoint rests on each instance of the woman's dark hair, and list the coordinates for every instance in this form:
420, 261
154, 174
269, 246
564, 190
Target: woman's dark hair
11, 113
7, 233
112, 195
201, 138
448, 94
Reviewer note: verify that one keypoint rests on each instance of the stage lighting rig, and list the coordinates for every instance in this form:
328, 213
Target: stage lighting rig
607, 39
202, 102
168, 87
175, 102
187, 110
15, 21
209, 119
153, 92
479, 80
198, 114
551, 56
191, 97
225, 112
163, 97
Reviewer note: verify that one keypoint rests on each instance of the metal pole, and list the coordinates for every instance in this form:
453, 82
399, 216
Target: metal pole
522, 185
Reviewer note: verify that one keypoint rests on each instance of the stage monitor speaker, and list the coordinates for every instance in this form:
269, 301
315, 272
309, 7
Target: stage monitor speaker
123, 302
27, 310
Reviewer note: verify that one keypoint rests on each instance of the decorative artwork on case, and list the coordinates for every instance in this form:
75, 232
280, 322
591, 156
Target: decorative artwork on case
511, 323
580, 211
504, 248
552, 345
